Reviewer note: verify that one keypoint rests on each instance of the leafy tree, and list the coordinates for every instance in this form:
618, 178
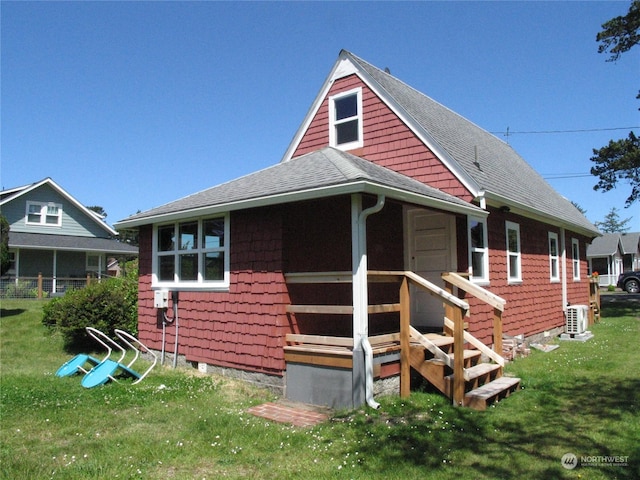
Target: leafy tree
4, 245
621, 158
580, 209
612, 223
621, 33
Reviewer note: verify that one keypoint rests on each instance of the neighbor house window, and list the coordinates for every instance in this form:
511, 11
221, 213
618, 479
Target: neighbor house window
345, 120
192, 253
478, 250
514, 259
44, 214
94, 263
554, 258
575, 258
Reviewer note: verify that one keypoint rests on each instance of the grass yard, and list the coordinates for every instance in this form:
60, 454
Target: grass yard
583, 398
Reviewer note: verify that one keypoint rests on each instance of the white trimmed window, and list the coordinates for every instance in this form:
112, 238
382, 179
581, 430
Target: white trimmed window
192, 254
39, 213
478, 250
514, 257
575, 258
554, 257
345, 120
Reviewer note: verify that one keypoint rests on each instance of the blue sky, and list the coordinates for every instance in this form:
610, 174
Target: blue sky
132, 105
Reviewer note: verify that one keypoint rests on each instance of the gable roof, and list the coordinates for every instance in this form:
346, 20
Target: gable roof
630, 242
320, 174
10, 195
606, 245
486, 165
612, 243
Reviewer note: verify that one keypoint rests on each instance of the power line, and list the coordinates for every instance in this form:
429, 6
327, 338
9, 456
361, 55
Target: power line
583, 130
555, 176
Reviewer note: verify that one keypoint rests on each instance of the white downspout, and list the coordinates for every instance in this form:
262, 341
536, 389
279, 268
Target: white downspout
563, 247
360, 294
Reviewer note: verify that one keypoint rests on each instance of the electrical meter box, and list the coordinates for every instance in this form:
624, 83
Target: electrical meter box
161, 299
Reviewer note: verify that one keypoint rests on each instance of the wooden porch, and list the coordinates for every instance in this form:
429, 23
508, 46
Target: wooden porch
473, 378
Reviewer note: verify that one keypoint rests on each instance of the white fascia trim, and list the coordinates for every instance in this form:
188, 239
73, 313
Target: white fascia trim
530, 212
309, 194
311, 113
453, 166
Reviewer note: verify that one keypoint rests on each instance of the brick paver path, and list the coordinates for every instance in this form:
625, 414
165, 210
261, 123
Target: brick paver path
297, 416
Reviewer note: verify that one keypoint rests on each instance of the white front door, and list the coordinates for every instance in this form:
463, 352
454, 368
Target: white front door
430, 242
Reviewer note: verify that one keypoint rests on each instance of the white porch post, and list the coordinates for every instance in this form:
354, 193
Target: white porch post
54, 282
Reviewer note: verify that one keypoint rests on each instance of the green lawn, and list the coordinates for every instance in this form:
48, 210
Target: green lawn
583, 398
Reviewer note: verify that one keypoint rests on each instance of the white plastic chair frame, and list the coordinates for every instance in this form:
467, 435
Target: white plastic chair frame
105, 340
132, 341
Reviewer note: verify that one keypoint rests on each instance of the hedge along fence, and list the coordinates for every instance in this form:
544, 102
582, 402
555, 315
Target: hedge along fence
107, 305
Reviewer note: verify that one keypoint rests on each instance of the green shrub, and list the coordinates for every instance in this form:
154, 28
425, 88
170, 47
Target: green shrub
106, 306
611, 288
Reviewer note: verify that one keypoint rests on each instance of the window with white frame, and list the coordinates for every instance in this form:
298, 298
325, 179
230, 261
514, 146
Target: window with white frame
554, 257
478, 250
192, 254
39, 213
345, 120
575, 258
514, 257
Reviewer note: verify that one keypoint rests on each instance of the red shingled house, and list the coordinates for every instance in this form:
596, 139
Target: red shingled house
332, 273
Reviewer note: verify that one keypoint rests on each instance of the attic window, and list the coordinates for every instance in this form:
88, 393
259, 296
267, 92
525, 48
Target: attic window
44, 214
345, 120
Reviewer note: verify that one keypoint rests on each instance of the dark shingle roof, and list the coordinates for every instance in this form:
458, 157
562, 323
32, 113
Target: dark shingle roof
67, 242
630, 242
317, 172
607, 244
499, 170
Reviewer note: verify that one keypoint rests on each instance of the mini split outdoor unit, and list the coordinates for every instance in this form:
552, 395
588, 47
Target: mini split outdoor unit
576, 319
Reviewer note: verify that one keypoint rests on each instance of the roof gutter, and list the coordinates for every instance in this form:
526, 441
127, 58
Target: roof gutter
534, 214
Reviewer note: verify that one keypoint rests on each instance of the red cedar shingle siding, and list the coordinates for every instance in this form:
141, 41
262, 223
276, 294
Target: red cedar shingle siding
535, 305
387, 141
242, 328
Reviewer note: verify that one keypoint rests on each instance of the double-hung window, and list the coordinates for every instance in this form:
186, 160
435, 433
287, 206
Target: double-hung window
514, 258
554, 257
575, 258
192, 254
39, 213
478, 250
345, 120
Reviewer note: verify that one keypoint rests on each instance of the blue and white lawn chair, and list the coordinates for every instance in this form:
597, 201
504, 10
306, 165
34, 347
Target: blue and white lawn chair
83, 362
109, 369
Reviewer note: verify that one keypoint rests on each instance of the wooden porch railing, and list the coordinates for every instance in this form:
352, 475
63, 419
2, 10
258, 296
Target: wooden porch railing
455, 312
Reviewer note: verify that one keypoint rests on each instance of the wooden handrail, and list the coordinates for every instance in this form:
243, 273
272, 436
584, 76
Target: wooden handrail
458, 281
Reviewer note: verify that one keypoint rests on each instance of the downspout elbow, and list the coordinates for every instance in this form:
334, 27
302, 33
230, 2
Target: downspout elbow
368, 366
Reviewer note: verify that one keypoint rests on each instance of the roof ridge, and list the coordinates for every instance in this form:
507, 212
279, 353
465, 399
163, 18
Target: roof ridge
422, 94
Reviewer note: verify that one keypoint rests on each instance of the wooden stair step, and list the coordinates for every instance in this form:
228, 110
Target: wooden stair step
439, 340
468, 354
479, 370
498, 388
